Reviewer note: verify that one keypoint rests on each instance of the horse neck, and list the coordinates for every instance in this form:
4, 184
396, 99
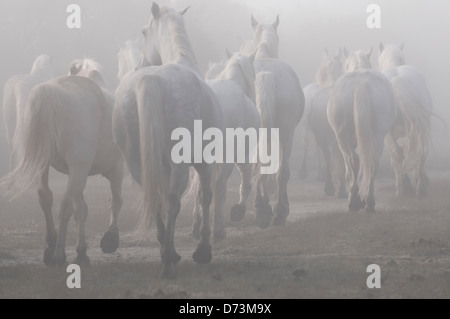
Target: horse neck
264, 51
327, 76
387, 64
40, 72
174, 46
234, 73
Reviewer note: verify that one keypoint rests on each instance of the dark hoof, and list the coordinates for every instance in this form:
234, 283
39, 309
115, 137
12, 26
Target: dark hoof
169, 272
82, 260
263, 220
237, 213
58, 262
356, 204
48, 257
202, 254
278, 220
110, 242
408, 189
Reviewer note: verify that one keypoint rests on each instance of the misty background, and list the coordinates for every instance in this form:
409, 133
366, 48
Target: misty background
29, 28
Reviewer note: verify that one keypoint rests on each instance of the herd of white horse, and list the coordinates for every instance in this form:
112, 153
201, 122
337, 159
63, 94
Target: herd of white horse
77, 126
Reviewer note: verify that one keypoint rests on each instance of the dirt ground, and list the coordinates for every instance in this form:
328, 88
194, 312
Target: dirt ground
322, 252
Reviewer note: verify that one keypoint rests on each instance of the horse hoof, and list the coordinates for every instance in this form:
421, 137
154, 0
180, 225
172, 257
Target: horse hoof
176, 258
237, 213
263, 220
48, 257
202, 254
278, 220
59, 261
169, 272
356, 204
110, 242
82, 260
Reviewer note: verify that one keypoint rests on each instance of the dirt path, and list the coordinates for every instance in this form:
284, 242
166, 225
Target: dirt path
322, 252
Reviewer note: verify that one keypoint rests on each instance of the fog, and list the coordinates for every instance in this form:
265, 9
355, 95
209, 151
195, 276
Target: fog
33, 27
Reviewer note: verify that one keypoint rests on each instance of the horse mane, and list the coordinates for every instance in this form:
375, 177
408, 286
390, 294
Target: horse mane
178, 38
330, 70
357, 61
237, 71
88, 68
129, 57
390, 57
41, 66
266, 42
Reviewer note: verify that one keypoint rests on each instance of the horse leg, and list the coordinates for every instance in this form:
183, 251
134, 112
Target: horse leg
220, 195
338, 168
262, 203
303, 172
81, 212
46, 203
422, 178
238, 211
202, 254
282, 206
75, 186
329, 186
197, 216
110, 240
179, 179
351, 171
397, 160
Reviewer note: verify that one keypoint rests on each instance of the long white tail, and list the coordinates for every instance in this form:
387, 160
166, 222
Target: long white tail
152, 132
416, 112
365, 136
38, 139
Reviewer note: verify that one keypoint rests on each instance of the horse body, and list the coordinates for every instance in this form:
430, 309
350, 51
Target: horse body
160, 99
413, 123
67, 126
234, 88
329, 71
280, 101
15, 94
361, 111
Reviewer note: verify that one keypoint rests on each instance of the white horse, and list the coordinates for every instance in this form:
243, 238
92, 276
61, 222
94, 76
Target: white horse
329, 71
15, 94
415, 108
234, 88
361, 111
67, 125
280, 101
92, 70
150, 104
129, 57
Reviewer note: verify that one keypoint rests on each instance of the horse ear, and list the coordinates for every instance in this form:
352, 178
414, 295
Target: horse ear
381, 47
155, 10
254, 22
277, 22
183, 12
369, 53
402, 46
339, 53
229, 54
325, 53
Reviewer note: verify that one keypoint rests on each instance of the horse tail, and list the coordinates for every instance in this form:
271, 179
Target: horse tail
38, 139
365, 135
416, 111
150, 107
